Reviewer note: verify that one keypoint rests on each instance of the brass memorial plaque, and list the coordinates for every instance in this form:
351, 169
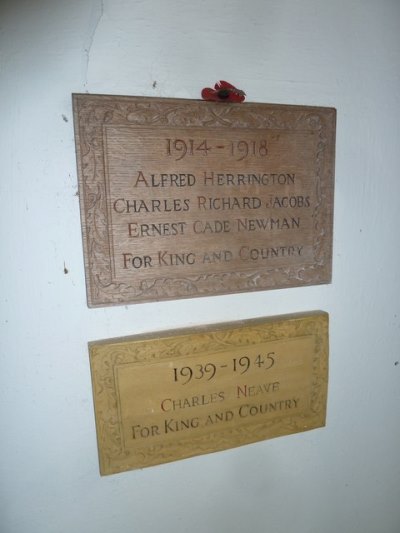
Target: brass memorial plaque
185, 198
168, 396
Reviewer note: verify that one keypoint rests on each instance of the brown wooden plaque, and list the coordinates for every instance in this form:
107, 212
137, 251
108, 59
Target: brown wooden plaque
163, 397
185, 198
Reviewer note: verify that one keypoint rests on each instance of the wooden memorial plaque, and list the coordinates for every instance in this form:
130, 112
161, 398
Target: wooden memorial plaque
163, 397
186, 198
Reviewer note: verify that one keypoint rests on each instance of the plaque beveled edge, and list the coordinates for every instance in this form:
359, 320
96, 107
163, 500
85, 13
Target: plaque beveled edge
113, 459
101, 290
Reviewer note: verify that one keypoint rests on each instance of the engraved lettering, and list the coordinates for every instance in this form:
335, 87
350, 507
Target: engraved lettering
251, 410
166, 205
174, 404
289, 201
165, 180
267, 224
162, 229
176, 259
245, 391
205, 203
142, 432
254, 254
218, 256
214, 226
215, 418
239, 180
172, 425
137, 261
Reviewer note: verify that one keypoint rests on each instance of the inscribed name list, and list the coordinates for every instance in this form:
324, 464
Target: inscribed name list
204, 211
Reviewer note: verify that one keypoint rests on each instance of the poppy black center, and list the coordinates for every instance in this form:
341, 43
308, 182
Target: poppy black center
223, 94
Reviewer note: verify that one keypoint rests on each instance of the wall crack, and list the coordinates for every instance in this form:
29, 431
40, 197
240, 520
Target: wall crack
96, 19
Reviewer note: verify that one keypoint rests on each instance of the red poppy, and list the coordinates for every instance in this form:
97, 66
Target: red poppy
223, 92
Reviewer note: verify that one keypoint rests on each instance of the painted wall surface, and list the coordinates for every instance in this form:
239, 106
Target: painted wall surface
341, 53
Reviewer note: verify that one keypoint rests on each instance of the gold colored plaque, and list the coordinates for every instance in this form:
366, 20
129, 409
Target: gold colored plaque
185, 198
168, 396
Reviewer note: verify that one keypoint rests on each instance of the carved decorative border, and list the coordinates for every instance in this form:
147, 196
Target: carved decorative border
106, 356
92, 112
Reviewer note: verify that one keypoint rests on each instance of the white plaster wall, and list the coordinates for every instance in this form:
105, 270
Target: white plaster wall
341, 53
